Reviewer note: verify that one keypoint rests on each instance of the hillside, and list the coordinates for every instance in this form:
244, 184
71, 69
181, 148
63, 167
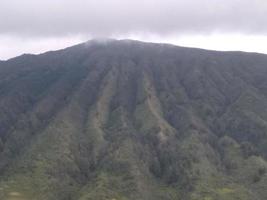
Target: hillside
127, 120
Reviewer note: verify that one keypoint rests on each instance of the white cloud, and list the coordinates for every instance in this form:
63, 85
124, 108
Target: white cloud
32, 26
106, 17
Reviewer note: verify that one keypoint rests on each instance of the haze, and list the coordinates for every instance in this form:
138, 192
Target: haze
29, 26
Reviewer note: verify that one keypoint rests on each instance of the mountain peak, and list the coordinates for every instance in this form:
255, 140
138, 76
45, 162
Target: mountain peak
100, 41
114, 120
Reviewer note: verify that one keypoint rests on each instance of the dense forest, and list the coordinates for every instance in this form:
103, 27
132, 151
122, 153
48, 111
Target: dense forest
127, 120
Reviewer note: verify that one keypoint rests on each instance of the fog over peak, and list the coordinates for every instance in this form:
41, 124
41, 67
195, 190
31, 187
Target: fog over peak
75, 21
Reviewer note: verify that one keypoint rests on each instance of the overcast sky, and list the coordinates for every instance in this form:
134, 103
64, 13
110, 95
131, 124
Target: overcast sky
35, 26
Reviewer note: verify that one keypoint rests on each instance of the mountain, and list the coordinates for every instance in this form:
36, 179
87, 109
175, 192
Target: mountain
127, 120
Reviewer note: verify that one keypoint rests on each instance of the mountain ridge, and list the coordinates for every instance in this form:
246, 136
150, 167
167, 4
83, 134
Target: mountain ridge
132, 120
106, 40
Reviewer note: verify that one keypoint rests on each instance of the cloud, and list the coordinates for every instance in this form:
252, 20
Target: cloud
35, 26
54, 18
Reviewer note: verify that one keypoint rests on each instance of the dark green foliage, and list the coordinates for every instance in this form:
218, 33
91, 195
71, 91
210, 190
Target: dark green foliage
126, 120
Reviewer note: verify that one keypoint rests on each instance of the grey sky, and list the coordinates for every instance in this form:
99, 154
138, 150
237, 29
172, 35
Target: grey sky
36, 20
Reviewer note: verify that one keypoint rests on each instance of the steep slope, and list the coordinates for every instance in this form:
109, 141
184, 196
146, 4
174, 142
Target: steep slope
131, 120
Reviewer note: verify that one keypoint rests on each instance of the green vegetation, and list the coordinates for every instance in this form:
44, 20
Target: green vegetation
133, 121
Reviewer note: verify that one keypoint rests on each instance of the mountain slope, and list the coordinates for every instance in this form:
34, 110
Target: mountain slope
131, 120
